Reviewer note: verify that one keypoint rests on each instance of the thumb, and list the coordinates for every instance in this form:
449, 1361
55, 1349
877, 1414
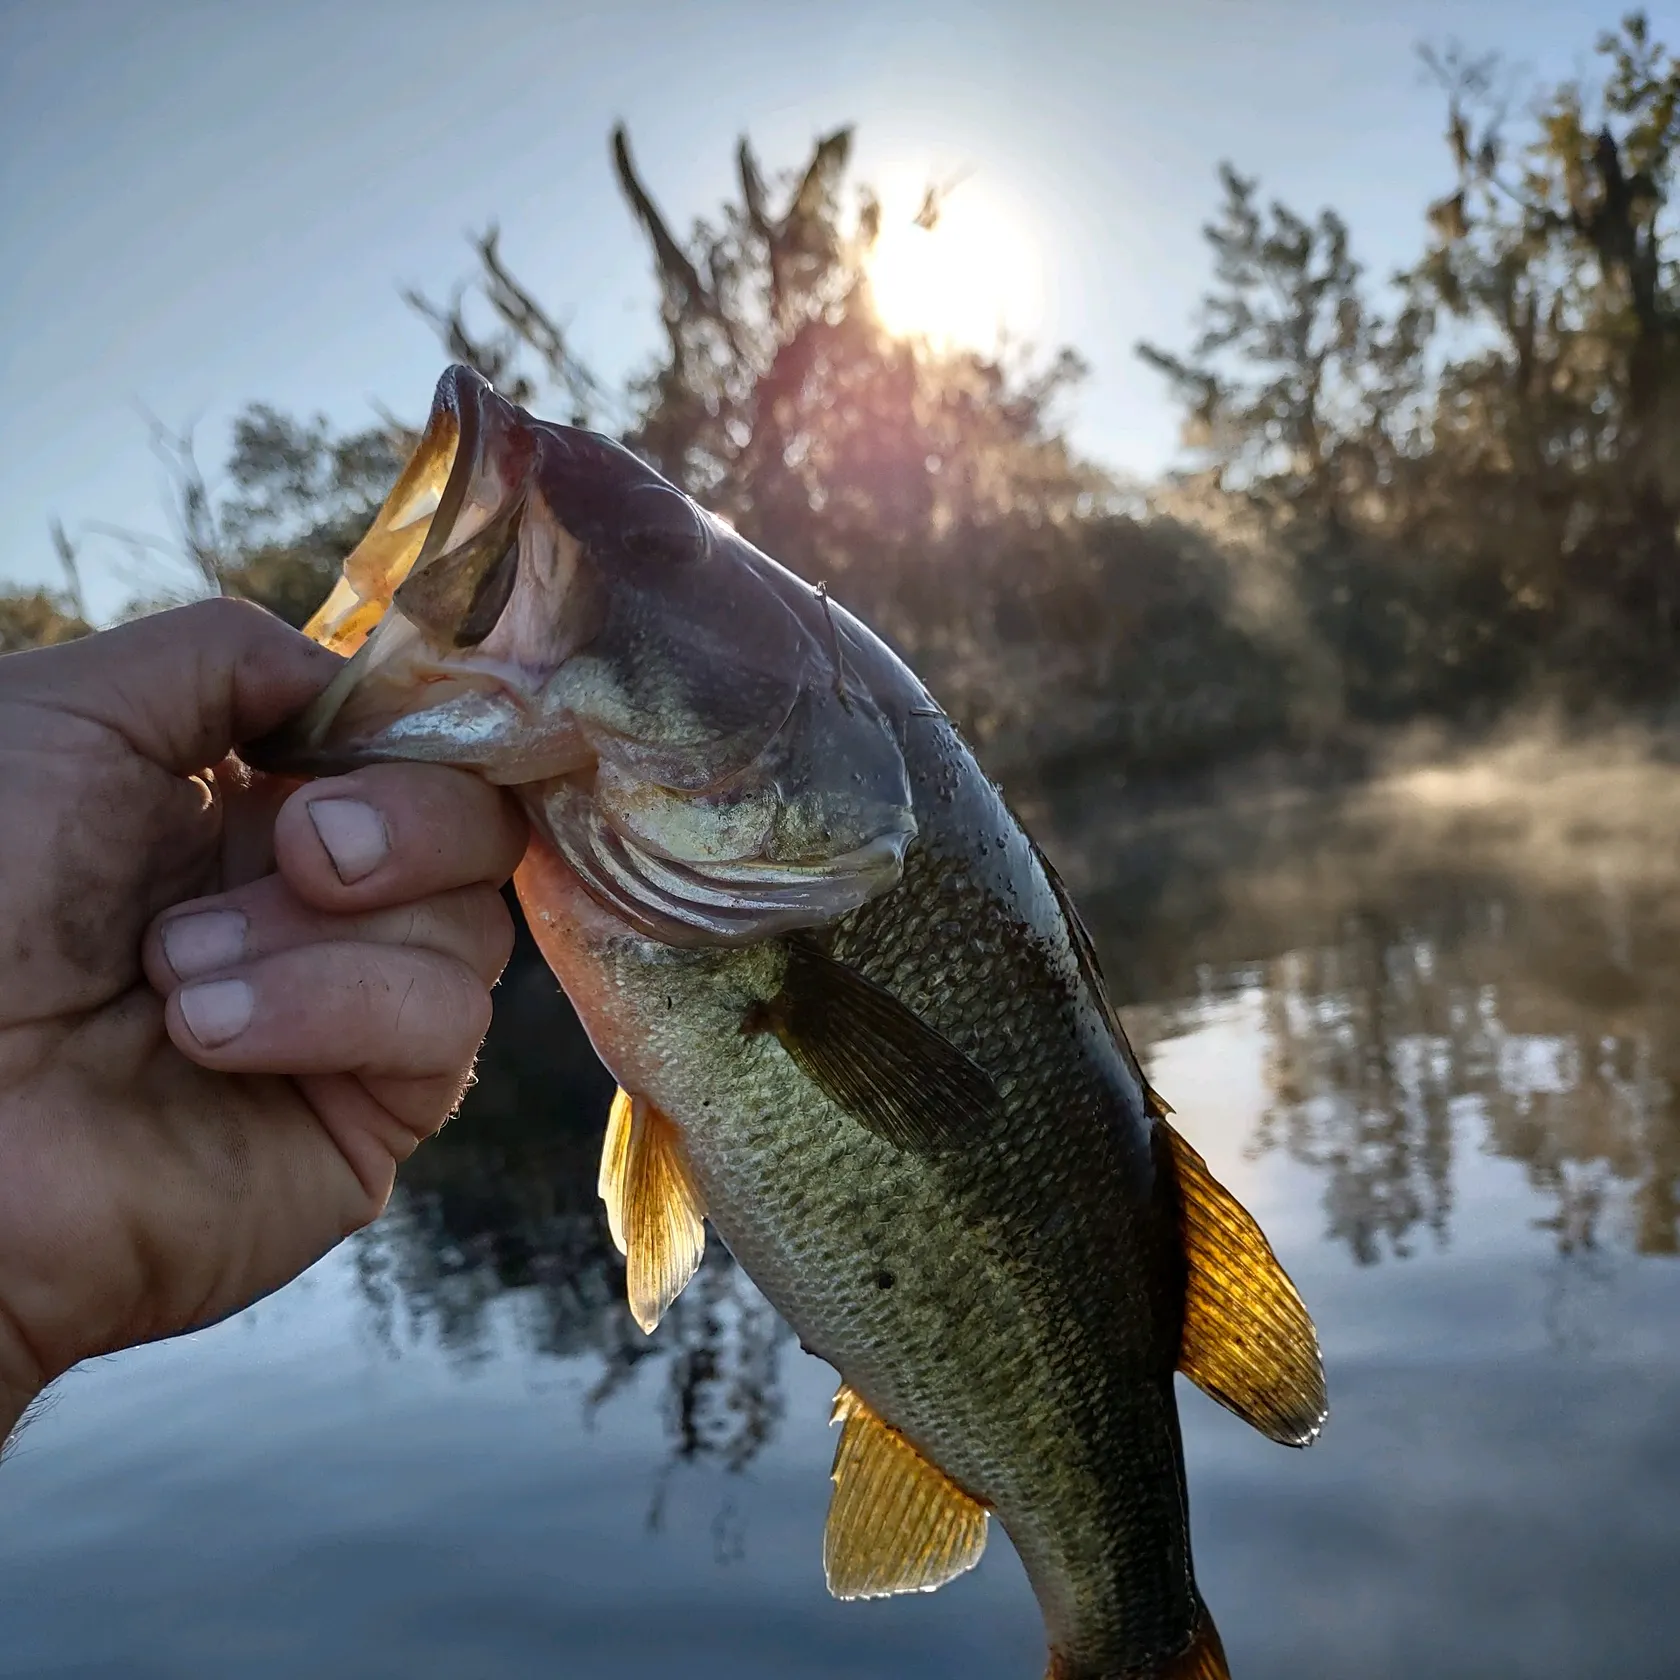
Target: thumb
182, 687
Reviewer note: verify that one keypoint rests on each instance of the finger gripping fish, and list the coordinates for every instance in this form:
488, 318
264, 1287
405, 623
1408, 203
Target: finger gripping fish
854, 1016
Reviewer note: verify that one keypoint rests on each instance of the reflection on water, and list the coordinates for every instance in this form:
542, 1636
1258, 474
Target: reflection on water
1429, 1031
1467, 959
1388, 1046
504, 1202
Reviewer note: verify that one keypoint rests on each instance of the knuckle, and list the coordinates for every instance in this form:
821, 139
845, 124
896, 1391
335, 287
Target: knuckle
434, 998
226, 616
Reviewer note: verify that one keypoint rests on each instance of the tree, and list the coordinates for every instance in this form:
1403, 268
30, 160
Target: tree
1471, 489
1303, 400
1557, 255
781, 402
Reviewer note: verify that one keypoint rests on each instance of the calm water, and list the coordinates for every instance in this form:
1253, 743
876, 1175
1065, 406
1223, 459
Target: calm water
1429, 1035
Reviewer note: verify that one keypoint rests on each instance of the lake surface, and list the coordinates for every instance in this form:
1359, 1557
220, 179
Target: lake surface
1430, 1034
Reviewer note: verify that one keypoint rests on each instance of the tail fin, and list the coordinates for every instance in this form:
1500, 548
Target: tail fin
1202, 1659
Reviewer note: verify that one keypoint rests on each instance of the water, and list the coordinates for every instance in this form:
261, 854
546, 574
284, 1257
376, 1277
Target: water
1427, 1033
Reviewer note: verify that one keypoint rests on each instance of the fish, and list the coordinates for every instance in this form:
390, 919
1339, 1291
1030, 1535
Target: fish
856, 1022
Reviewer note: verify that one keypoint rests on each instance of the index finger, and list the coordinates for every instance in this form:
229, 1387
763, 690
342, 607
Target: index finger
394, 833
181, 687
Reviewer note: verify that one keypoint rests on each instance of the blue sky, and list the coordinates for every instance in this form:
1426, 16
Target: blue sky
210, 201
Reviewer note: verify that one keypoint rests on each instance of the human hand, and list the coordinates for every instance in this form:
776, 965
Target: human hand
215, 1045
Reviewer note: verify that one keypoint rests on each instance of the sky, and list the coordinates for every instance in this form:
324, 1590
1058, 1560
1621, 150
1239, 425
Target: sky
209, 202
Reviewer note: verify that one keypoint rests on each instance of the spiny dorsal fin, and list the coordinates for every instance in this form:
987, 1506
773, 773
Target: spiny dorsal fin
654, 1209
1090, 969
1248, 1341
875, 1057
896, 1522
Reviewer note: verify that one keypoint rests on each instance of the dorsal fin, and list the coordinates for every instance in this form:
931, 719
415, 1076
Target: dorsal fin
654, 1209
896, 1523
1248, 1340
1090, 970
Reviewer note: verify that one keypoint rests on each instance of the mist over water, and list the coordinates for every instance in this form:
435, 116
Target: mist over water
1425, 1028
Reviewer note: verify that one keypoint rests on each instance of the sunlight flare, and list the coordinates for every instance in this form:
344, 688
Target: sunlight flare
971, 277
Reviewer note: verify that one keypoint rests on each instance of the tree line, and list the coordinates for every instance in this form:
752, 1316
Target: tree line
1438, 493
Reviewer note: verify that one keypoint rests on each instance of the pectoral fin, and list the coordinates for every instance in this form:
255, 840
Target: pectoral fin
1248, 1341
875, 1057
654, 1208
896, 1523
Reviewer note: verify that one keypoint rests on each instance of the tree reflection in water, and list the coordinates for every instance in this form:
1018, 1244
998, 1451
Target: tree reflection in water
497, 1223
1486, 958
1387, 1048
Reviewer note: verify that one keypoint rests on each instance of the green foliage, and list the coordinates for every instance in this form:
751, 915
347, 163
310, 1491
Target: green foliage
37, 618
301, 501
1475, 492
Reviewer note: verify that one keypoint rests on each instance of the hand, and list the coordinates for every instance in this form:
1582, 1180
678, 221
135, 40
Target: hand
229, 1005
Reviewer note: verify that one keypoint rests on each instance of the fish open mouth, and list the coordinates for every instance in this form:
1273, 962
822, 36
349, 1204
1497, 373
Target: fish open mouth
443, 550
447, 494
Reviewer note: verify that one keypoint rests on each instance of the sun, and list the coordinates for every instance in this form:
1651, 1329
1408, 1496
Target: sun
970, 279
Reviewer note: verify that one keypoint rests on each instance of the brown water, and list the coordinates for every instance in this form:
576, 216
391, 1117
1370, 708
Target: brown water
1429, 1033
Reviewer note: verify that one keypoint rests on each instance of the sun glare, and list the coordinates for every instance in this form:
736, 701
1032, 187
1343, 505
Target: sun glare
970, 277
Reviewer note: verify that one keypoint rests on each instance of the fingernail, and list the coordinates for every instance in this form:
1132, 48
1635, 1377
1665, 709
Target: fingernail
354, 835
217, 1010
202, 943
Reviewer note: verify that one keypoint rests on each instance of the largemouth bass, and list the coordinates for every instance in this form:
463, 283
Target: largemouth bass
855, 1020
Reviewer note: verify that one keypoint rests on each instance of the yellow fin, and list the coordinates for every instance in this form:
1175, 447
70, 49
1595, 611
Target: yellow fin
615, 1164
1248, 1340
896, 1522
654, 1210
1204, 1660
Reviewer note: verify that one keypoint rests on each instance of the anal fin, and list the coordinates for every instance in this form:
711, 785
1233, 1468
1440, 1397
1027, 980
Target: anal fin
896, 1523
654, 1208
1248, 1340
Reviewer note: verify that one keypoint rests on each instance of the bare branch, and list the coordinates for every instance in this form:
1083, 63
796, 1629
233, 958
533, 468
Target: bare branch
195, 515
676, 272
66, 551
